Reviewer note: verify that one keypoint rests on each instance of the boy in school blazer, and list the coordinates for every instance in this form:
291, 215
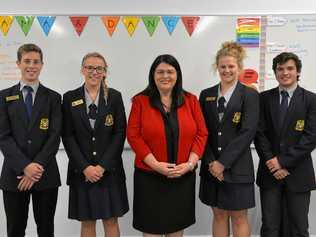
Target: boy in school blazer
284, 141
30, 125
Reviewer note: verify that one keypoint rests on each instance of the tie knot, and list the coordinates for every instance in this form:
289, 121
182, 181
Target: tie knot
93, 107
28, 89
221, 100
92, 111
284, 94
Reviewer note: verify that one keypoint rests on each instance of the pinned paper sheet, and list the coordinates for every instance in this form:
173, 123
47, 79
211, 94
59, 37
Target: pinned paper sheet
276, 21
130, 23
25, 23
248, 31
110, 23
151, 23
5, 24
190, 23
170, 22
79, 22
46, 23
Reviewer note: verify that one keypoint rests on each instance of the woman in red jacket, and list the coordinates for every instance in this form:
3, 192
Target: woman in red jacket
167, 132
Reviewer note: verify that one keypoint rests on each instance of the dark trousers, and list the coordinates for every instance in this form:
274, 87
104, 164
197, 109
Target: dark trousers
16, 206
275, 202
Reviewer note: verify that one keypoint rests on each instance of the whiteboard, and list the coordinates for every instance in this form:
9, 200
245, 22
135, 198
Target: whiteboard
129, 58
297, 34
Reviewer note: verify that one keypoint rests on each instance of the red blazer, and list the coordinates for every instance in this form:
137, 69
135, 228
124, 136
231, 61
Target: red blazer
146, 132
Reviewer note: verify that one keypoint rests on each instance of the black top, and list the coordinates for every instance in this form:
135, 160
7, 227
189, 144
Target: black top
171, 129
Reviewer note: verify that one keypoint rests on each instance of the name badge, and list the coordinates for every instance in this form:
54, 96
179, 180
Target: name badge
299, 125
210, 98
236, 118
109, 121
77, 102
44, 124
12, 97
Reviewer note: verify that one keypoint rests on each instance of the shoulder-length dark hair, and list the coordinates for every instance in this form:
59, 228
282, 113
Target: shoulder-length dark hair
152, 90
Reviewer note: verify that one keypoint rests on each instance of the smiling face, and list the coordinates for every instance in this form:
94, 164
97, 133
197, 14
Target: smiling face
93, 70
287, 74
228, 69
165, 77
30, 66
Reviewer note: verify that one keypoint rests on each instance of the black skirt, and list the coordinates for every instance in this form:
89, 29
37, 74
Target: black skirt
226, 196
163, 205
95, 201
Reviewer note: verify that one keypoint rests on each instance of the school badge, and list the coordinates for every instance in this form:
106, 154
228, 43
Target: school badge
299, 125
44, 124
236, 118
11, 98
77, 102
109, 121
210, 98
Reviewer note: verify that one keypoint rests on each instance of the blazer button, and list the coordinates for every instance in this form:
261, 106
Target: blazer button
93, 138
29, 141
219, 148
219, 133
94, 153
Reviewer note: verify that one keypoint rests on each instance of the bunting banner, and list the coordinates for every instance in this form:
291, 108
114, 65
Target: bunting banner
151, 23
110, 23
46, 22
248, 31
79, 23
190, 23
170, 22
5, 24
130, 23
25, 23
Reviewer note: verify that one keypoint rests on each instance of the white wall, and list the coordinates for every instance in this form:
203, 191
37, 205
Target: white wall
69, 228
160, 7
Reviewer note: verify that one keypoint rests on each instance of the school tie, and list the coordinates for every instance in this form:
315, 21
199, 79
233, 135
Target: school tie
93, 111
283, 107
28, 100
221, 107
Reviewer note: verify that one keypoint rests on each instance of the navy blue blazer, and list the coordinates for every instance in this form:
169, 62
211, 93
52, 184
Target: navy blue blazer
102, 145
293, 144
23, 141
229, 140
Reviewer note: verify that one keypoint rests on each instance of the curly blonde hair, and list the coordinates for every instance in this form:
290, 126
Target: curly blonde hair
233, 49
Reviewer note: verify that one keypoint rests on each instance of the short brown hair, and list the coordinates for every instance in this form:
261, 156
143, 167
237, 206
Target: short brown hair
26, 48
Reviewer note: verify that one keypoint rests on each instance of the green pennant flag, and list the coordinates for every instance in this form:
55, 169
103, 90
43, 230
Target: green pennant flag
25, 23
151, 23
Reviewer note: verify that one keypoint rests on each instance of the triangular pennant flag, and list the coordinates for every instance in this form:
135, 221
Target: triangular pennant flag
170, 22
110, 23
151, 23
190, 23
79, 22
25, 23
5, 24
46, 23
130, 23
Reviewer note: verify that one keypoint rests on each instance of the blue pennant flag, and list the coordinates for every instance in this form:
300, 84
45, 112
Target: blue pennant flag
170, 22
46, 23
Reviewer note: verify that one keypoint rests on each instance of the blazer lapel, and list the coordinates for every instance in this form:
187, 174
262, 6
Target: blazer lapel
19, 106
292, 109
102, 109
213, 103
274, 107
40, 100
82, 109
235, 98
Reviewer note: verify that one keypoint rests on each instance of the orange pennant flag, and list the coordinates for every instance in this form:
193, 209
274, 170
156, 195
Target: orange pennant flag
190, 23
130, 23
79, 22
110, 23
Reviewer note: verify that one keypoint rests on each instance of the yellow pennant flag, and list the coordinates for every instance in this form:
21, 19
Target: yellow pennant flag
5, 23
130, 23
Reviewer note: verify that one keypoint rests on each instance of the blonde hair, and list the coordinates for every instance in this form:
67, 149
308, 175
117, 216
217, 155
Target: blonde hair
233, 49
103, 82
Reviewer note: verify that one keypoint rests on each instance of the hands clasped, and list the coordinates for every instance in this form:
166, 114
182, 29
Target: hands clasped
276, 169
32, 173
172, 170
217, 170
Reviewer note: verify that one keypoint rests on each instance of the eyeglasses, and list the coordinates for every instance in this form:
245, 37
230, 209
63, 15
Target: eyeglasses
98, 69
162, 72
30, 61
